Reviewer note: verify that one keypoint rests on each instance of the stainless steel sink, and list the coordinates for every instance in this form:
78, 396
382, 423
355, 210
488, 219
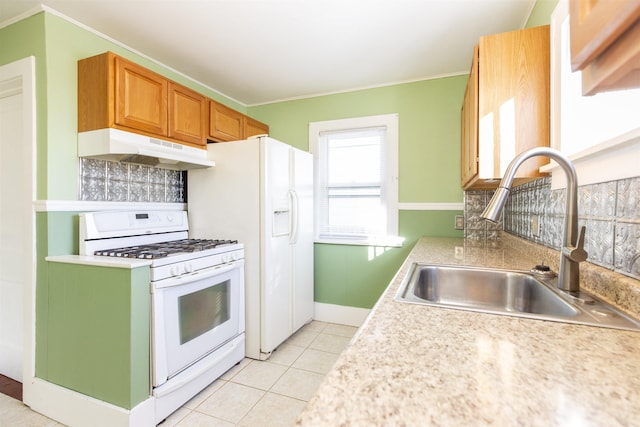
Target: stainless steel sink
506, 292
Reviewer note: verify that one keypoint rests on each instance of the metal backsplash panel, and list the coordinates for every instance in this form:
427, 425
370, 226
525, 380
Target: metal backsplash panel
102, 180
609, 210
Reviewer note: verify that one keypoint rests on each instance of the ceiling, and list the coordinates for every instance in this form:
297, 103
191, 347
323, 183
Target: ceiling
261, 51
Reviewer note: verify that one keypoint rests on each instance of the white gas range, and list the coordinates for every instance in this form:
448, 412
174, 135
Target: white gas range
197, 297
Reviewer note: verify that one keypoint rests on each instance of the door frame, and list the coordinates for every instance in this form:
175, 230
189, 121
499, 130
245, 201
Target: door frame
19, 77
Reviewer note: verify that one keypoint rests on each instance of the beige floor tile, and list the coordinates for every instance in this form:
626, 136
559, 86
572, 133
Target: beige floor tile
329, 343
173, 419
198, 419
204, 394
231, 402
237, 368
316, 361
274, 410
259, 374
298, 384
316, 326
15, 413
286, 354
341, 330
303, 337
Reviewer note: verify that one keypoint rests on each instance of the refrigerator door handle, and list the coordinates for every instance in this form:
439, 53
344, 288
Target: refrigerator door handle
293, 200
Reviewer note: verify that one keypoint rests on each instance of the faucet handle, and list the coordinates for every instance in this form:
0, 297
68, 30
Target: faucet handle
577, 254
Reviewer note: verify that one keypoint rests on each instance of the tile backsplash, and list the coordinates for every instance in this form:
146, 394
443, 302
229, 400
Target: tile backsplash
102, 180
609, 210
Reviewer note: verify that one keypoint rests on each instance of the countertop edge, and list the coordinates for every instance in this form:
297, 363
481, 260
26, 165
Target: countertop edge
99, 261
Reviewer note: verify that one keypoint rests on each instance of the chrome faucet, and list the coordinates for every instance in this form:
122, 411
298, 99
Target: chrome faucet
572, 252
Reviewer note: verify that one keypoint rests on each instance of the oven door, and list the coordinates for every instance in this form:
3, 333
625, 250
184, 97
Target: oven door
193, 315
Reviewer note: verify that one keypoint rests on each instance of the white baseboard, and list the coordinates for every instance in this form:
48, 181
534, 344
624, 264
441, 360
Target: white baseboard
341, 314
75, 409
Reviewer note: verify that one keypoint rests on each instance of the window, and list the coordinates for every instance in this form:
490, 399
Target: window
356, 180
599, 133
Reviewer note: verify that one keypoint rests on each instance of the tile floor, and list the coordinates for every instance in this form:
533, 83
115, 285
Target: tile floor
253, 393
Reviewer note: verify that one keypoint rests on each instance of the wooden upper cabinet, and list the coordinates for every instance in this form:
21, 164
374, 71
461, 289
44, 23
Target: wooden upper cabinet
225, 124
253, 127
141, 98
187, 115
512, 115
469, 122
605, 43
114, 92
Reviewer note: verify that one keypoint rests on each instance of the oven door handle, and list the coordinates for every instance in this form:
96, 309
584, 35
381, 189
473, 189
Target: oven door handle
198, 275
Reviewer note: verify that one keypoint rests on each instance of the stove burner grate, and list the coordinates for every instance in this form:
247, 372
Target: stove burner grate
163, 249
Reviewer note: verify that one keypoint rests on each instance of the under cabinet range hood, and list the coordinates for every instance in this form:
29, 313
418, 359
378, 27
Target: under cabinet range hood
121, 146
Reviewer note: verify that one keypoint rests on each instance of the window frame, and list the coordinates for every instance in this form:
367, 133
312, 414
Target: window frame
389, 183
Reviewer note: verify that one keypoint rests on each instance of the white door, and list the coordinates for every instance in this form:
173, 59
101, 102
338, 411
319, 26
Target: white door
276, 283
301, 244
12, 223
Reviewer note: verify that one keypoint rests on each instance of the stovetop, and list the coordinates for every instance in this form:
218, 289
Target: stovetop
164, 249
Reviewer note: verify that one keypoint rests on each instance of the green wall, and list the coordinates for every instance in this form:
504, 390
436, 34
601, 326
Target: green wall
541, 13
104, 319
429, 172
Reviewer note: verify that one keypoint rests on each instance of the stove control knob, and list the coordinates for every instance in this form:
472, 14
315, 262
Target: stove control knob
225, 258
188, 268
174, 271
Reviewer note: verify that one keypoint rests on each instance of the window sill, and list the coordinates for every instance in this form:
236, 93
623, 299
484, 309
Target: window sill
387, 241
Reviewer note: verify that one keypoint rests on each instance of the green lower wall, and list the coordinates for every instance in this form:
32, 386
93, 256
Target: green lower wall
359, 274
94, 334
92, 323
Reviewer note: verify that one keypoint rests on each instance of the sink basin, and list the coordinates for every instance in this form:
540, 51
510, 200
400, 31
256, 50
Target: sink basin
491, 290
506, 292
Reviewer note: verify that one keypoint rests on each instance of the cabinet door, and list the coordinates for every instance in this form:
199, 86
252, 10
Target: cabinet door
253, 127
513, 106
469, 118
187, 115
604, 43
141, 98
225, 124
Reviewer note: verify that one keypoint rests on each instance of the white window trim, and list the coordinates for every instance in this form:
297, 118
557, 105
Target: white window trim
612, 159
391, 180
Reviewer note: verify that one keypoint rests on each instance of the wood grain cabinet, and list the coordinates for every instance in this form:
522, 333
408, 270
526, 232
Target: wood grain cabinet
469, 113
506, 107
253, 127
141, 97
187, 115
605, 43
117, 93
226, 124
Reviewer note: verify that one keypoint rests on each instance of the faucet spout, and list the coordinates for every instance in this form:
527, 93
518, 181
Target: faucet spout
572, 251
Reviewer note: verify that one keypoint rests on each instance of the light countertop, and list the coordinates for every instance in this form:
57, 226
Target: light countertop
417, 365
100, 261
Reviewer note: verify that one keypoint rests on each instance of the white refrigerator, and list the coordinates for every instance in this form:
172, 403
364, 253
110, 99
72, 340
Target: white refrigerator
261, 193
